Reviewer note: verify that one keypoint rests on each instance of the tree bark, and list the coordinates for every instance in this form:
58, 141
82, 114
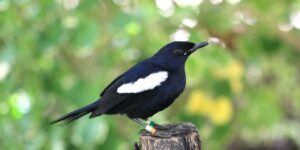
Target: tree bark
181, 136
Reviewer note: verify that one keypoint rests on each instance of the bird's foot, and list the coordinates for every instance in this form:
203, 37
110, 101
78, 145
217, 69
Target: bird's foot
159, 127
150, 126
158, 130
154, 128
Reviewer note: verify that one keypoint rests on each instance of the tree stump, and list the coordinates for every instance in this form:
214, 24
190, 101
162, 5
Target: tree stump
181, 136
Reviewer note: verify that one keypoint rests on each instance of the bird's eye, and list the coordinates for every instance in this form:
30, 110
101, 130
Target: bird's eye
177, 52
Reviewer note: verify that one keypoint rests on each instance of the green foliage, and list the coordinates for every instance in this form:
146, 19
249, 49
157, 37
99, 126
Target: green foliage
56, 56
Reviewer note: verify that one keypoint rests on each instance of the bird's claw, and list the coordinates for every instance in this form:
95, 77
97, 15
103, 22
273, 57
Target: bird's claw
150, 127
153, 128
160, 127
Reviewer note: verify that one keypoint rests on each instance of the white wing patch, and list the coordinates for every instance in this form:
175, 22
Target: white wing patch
148, 83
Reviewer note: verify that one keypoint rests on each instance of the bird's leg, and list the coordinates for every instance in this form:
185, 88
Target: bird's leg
156, 126
139, 121
148, 125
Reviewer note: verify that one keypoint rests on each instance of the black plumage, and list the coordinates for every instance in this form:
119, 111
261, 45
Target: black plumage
145, 89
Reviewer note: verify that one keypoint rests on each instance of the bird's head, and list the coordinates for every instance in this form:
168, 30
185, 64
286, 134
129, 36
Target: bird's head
176, 53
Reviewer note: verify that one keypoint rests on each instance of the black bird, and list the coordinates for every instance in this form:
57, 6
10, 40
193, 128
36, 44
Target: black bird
145, 89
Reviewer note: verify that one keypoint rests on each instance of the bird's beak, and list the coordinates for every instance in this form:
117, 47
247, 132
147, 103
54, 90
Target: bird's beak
197, 46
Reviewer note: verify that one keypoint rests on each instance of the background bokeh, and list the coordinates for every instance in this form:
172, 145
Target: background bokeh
57, 55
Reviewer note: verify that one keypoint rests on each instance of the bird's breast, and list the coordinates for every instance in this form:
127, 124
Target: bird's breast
175, 84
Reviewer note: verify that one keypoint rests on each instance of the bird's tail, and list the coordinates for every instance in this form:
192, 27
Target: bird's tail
67, 118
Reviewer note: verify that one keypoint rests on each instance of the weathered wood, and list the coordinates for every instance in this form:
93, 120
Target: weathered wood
181, 136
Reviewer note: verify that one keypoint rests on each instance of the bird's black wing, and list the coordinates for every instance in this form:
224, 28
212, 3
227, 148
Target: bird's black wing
110, 96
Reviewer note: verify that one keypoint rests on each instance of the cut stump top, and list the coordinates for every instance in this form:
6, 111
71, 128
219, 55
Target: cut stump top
181, 136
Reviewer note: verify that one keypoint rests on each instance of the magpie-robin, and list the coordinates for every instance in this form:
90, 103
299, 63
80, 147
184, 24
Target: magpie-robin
145, 89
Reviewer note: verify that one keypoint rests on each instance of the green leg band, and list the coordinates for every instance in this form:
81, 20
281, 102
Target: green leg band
150, 123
